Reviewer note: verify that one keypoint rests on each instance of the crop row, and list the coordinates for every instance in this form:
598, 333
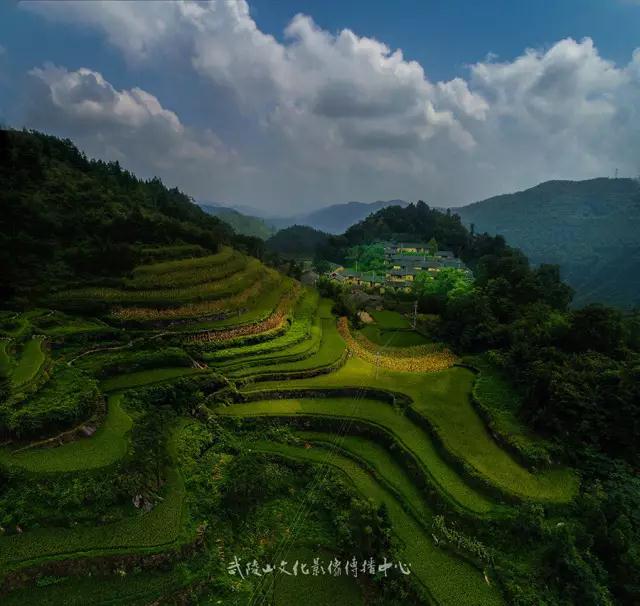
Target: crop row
447, 579
220, 289
184, 264
299, 330
277, 318
430, 362
379, 419
441, 403
219, 306
188, 275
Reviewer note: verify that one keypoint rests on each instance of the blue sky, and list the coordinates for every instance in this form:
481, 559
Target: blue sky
325, 113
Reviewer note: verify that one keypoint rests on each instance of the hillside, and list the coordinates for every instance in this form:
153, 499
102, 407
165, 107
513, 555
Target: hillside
590, 228
65, 218
241, 223
297, 241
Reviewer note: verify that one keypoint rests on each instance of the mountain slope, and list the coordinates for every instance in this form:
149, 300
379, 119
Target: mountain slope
297, 241
590, 228
242, 223
64, 218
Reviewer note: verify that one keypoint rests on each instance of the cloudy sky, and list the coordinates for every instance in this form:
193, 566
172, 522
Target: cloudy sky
290, 105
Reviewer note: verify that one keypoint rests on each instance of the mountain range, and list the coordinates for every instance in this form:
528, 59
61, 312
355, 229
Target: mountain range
590, 228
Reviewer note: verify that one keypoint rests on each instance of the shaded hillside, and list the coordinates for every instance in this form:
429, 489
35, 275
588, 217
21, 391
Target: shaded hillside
590, 228
64, 218
297, 241
246, 225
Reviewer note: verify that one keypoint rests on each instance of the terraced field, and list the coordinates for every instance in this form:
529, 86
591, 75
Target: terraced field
206, 359
445, 578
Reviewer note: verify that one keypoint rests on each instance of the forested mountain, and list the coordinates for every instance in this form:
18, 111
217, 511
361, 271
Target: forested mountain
297, 241
590, 228
413, 222
64, 217
241, 223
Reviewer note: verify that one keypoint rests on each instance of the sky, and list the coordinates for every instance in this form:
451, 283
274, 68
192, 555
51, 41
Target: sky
287, 106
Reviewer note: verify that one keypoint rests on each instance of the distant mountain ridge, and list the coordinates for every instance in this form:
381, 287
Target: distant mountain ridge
244, 224
590, 228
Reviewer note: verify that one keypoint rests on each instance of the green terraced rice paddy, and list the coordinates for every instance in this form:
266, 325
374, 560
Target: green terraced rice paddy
299, 330
390, 320
30, 361
205, 291
146, 377
443, 399
449, 579
404, 431
378, 458
108, 445
161, 528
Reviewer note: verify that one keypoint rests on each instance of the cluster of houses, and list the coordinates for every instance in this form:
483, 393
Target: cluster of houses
403, 261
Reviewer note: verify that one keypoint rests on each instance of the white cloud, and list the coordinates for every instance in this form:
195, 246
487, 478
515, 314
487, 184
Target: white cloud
340, 116
130, 126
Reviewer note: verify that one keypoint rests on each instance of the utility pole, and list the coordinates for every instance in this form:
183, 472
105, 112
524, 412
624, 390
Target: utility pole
616, 173
415, 313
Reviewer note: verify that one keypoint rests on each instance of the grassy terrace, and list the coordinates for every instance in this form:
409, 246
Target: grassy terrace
442, 398
146, 377
218, 289
329, 352
299, 330
108, 445
448, 579
499, 403
31, 359
380, 414
161, 528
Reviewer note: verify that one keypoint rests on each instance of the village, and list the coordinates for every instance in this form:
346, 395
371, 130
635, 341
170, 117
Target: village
403, 261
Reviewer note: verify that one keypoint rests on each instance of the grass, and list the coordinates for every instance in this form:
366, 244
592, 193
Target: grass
146, 377
329, 352
67, 398
390, 320
321, 590
133, 589
393, 337
500, 403
188, 272
299, 330
443, 399
107, 445
29, 363
405, 432
205, 291
160, 528
380, 460
450, 580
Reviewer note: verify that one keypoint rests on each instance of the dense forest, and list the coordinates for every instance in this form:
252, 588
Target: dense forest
65, 218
